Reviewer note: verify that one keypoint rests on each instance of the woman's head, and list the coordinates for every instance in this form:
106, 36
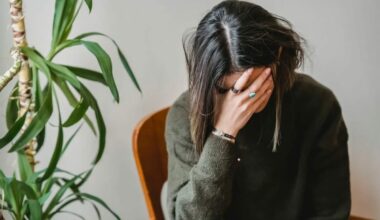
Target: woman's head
232, 37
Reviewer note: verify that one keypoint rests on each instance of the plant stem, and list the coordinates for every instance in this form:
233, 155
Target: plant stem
8, 76
25, 77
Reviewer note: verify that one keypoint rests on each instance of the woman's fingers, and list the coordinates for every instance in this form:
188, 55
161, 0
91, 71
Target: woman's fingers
259, 101
243, 80
268, 84
234, 110
255, 86
265, 87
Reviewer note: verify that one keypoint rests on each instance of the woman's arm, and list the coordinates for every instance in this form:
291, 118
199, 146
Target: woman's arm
328, 194
198, 188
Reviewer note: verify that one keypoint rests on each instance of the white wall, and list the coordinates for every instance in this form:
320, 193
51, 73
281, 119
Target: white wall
344, 51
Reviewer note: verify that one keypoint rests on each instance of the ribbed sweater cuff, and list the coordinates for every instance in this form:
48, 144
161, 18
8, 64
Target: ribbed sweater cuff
218, 156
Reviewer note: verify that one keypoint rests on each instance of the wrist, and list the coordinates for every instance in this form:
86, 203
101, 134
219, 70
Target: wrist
224, 135
229, 131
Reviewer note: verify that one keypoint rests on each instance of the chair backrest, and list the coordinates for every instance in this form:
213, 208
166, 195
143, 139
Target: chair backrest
149, 149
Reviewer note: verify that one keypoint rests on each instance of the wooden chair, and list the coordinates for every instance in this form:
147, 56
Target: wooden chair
149, 149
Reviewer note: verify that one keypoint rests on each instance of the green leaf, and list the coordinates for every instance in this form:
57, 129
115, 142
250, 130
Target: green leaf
82, 179
70, 139
14, 199
36, 89
35, 209
26, 190
62, 205
102, 57
36, 125
86, 94
19, 190
73, 213
101, 202
75, 189
57, 150
46, 109
63, 20
16, 195
61, 46
24, 166
48, 184
37, 97
57, 197
128, 68
89, 4
97, 211
5, 184
36, 58
90, 99
12, 107
73, 101
105, 64
40, 139
44, 198
122, 57
86, 174
87, 74
57, 22
56, 203
3, 179
72, 17
77, 114
12, 132
64, 73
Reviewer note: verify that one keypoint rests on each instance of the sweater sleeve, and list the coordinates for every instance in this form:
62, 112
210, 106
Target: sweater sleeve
198, 187
328, 195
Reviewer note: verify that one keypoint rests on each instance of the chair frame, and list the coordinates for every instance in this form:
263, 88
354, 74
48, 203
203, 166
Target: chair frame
152, 125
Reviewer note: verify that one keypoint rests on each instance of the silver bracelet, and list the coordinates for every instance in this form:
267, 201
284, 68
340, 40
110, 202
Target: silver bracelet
223, 135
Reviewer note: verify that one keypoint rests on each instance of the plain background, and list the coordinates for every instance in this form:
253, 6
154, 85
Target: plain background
343, 55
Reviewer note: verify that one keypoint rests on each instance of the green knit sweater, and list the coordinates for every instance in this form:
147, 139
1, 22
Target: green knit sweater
307, 178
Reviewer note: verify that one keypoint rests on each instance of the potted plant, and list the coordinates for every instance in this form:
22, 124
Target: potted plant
31, 193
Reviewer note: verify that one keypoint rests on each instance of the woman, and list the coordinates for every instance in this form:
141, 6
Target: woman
252, 138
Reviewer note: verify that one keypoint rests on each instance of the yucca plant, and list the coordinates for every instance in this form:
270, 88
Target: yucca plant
31, 193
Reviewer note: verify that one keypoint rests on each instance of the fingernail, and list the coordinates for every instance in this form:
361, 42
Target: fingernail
268, 71
250, 70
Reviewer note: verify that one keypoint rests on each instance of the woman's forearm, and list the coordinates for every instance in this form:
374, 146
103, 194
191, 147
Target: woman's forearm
206, 191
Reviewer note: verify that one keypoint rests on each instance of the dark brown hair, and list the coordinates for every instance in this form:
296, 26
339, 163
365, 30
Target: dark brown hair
234, 36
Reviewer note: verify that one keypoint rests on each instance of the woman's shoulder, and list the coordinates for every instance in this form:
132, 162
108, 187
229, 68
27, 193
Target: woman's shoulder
313, 100
307, 86
182, 101
177, 119
310, 92
179, 110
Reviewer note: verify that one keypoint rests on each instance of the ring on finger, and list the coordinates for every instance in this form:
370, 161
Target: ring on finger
236, 91
251, 94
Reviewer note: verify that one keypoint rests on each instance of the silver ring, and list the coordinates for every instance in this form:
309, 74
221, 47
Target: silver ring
251, 94
236, 91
